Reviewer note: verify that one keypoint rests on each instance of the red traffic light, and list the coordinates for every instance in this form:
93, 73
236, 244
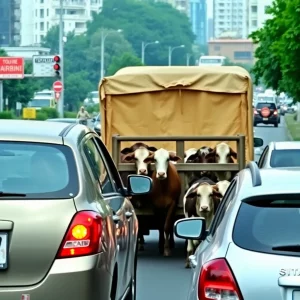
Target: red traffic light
56, 58
56, 67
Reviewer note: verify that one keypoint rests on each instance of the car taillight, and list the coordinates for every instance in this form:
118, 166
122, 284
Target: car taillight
83, 236
255, 112
216, 281
275, 112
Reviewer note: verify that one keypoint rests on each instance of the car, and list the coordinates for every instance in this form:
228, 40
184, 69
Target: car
67, 227
97, 124
266, 112
65, 120
251, 250
280, 154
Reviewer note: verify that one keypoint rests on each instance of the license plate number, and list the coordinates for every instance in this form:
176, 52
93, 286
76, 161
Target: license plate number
265, 119
3, 251
296, 295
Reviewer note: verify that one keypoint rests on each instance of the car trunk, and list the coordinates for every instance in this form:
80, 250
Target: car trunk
35, 231
268, 276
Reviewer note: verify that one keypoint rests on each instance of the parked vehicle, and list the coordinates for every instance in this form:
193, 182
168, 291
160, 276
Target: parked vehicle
247, 243
97, 124
65, 120
177, 108
67, 229
280, 154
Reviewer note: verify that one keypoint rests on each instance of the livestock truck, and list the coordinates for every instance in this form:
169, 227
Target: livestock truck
177, 108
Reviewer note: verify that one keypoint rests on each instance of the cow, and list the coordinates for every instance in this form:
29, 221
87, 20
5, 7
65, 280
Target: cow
165, 196
201, 200
222, 187
222, 154
136, 154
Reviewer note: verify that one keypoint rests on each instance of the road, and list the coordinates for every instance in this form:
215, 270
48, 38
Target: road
163, 278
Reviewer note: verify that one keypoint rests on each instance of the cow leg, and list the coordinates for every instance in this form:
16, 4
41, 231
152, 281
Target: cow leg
172, 242
169, 222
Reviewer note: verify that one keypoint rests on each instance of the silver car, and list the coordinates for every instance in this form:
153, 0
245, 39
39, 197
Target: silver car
251, 250
280, 154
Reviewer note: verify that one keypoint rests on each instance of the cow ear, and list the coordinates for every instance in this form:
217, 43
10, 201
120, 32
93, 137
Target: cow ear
149, 159
129, 157
216, 192
210, 155
126, 151
193, 156
233, 153
174, 157
153, 149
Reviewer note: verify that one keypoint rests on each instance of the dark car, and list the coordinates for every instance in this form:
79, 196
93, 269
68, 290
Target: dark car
266, 113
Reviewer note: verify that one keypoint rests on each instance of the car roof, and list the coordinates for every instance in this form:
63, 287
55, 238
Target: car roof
66, 120
285, 145
273, 181
38, 131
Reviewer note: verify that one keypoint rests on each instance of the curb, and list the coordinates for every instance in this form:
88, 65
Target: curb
287, 131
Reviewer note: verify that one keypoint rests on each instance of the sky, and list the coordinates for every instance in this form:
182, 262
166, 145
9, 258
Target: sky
209, 8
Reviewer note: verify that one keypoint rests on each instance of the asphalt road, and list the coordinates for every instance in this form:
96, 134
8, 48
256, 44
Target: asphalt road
163, 278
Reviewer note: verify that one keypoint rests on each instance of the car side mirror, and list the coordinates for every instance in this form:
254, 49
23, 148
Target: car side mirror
258, 142
190, 228
138, 184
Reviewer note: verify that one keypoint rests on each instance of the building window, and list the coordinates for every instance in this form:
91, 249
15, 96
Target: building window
42, 1
42, 13
242, 55
47, 12
217, 48
254, 9
47, 26
254, 23
42, 37
42, 27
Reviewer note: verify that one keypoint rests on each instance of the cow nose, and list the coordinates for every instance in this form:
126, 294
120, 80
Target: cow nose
204, 208
143, 171
161, 174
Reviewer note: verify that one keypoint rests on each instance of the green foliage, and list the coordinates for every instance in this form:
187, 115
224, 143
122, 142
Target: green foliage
50, 112
293, 126
7, 115
278, 62
70, 114
126, 60
41, 115
247, 67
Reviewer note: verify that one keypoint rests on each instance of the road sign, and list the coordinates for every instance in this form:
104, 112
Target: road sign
29, 113
43, 65
11, 67
57, 95
57, 86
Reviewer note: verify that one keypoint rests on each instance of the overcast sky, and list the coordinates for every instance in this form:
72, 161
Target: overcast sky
209, 8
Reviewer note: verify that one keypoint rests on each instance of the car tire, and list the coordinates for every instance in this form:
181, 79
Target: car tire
132, 290
276, 125
254, 124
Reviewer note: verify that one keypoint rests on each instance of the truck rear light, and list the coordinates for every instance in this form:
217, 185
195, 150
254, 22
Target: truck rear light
83, 236
216, 281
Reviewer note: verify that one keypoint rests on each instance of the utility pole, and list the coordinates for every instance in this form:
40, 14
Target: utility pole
61, 54
102, 54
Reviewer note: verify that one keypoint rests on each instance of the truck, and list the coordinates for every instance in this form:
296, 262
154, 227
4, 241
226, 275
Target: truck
44, 98
177, 108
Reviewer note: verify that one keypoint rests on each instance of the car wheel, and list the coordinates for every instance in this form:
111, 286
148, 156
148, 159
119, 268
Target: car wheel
132, 290
276, 124
255, 124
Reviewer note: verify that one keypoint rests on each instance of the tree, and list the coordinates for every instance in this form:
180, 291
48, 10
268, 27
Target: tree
126, 60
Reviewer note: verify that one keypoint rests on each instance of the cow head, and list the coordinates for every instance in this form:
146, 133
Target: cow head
136, 146
222, 186
161, 158
221, 154
207, 200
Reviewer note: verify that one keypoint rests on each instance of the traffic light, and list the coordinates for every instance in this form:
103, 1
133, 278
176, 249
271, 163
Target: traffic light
56, 65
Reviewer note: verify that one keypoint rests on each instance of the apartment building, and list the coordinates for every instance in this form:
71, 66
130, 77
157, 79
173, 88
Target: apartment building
38, 16
198, 18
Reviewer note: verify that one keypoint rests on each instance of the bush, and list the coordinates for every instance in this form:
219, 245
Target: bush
93, 108
295, 117
50, 112
70, 114
7, 115
41, 115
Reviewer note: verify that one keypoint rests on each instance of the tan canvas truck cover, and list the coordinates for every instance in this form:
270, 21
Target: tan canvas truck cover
177, 101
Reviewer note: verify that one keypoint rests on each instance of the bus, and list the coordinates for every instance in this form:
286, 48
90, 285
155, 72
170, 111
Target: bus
211, 60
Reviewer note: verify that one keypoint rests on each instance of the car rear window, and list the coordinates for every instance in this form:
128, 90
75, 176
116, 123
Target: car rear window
269, 105
285, 158
269, 221
38, 170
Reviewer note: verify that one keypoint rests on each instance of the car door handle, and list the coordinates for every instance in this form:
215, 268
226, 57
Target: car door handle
128, 214
116, 219
193, 261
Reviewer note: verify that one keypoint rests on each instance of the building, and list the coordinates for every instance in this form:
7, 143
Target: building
237, 51
257, 13
9, 22
26, 52
38, 16
230, 16
210, 28
198, 18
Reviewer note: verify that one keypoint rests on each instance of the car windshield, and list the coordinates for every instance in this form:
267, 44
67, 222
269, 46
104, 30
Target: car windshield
285, 158
37, 170
268, 105
40, 103
265, 98
269, 222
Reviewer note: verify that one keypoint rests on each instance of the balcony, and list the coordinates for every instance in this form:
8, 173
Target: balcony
69, 4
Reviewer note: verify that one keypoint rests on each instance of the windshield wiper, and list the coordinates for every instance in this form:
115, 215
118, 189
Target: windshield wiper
4, 194
290, 248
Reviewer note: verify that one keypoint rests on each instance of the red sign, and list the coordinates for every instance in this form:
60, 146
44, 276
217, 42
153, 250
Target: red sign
57, 86
265, 111
57, 95
11, 67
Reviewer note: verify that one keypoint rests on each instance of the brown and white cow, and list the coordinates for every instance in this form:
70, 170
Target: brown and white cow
222, 154
222, 187
136, 154
165, 196
201, 200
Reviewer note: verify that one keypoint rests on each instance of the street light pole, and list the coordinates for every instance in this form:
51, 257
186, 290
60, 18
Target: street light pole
61, 54
171, 51
103, 38
144, 45
188, 56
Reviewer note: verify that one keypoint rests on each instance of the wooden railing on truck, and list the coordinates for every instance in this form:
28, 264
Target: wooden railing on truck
180, 166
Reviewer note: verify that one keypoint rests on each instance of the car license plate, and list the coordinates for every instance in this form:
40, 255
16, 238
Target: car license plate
265, 119
3, 250
296, 295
